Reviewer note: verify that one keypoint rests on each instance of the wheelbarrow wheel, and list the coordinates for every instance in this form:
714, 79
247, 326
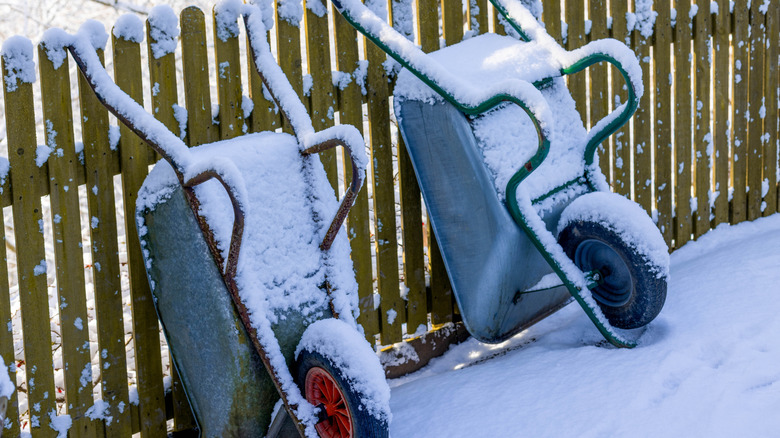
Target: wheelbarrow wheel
628, 292
342, 411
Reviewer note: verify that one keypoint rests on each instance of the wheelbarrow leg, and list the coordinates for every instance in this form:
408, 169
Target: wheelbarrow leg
282, 426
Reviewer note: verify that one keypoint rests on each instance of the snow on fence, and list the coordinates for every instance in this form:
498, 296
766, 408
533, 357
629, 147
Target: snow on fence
702, 150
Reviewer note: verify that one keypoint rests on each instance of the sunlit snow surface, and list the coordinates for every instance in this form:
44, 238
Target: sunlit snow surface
709, 365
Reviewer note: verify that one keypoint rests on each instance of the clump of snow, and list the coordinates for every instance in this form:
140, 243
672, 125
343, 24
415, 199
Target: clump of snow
17, 54
6, 387
164, 30
226, 15
129, 27
180, 114
627, 219
645, 17
100, 409
5, 167
96, 33
60, 423
349, 352
317, 7
54, 41
290, 11
114, 134
42, 153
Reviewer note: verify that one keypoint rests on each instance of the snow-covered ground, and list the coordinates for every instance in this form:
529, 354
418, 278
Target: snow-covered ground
709, 365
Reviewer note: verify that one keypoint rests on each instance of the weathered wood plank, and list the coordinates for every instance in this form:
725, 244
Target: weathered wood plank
575, 18
772, 87
643, 129
162, 74
553, 18
146, 334
228, 60
703, 142
722, 110
321, 92
358, 229
7, 337
200, 128
391, 307
621, 182
756, 103
30, 255
662, 51
102, 164
411, 209
741, 43
478, 16
288, 39
66, 230
411, 226
599, 83
452, 21
682, 120
265, 115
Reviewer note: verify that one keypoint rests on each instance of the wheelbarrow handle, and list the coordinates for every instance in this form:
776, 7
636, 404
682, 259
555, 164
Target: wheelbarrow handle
295, 113
604, 50
350, 139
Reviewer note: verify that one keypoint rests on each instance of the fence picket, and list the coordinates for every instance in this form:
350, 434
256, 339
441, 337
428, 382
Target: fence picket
662, 51
197, 97
321, 91
7, 336
703, 142
478, 16
146, 335
722, 112
682, 122
162, 76
643, 129
755, 106
772, 87
575, 38
228, 60
621, 170
391, 310
30, 255
288, 40
599, 82
739, 149
102, 163
66, 229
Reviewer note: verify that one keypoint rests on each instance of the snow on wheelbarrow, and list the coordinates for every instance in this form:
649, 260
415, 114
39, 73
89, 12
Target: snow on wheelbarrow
520, 208
252, 282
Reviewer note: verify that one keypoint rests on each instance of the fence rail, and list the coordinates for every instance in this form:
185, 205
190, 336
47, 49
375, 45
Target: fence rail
702, 150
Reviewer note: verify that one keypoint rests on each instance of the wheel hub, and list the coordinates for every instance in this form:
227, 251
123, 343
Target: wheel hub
614, 287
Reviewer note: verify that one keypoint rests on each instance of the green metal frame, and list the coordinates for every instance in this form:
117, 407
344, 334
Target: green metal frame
626, 111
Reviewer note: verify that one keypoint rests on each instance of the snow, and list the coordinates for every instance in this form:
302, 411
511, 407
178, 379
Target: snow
6, 387
707, 366
290, 11
129, 27
349, 352
17, 54
61, 424
164, 30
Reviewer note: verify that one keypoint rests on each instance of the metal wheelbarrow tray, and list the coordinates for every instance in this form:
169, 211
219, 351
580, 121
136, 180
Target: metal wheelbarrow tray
511, 182
248, 288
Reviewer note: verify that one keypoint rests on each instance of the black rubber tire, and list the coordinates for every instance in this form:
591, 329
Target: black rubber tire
363, 423
639, 295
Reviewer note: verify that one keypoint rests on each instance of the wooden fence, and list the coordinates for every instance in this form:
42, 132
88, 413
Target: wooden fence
702, 150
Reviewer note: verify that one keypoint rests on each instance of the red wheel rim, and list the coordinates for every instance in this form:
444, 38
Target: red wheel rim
321, 389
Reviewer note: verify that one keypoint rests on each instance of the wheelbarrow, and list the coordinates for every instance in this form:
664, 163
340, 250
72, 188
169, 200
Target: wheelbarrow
251, 280
522, 213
